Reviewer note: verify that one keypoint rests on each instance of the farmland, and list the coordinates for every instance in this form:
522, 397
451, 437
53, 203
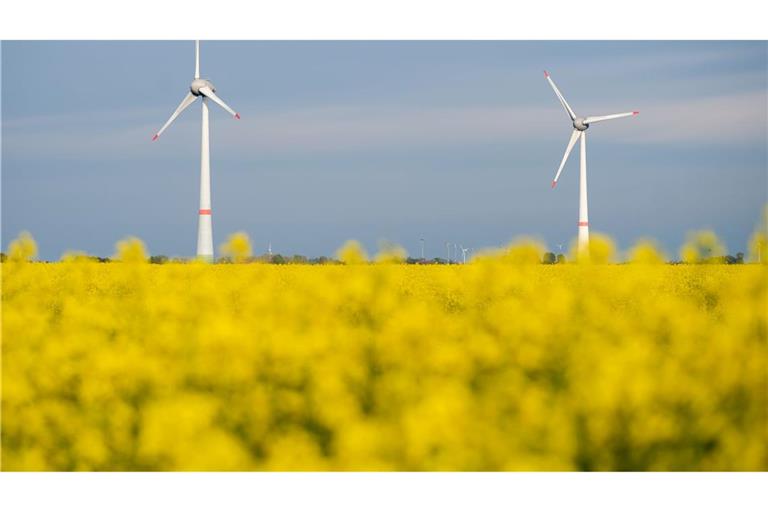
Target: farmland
487, 366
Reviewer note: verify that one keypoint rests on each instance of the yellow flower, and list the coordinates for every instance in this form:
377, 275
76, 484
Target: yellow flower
237, 247
391, 253
130, 250
24, 248
702, 247
647, 253
506, 364
352, 253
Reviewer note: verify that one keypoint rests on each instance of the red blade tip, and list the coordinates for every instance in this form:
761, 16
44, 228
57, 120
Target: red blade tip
546, 73
237, 116
554, 183
635, 113
155, 137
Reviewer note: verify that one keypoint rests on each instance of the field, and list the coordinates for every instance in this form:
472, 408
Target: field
486, 366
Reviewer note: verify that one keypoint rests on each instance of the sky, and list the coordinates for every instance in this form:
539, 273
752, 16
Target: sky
449, 141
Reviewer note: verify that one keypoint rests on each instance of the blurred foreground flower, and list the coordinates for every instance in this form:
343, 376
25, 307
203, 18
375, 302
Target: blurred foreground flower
352, 253
391, 253
130, 250
646, 252
758, 244
23, 249
602, 250
237, 247
702, 247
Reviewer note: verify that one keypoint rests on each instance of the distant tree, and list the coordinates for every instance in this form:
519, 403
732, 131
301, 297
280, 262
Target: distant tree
549, 258
739, 258
299, 259
277, 259
2, 256
159, 259
561, 259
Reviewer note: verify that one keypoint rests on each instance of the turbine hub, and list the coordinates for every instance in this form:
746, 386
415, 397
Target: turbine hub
579, 124
199, 83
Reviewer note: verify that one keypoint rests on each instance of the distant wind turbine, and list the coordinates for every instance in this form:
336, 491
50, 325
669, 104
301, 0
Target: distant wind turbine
204, 88
580, 125
464, 252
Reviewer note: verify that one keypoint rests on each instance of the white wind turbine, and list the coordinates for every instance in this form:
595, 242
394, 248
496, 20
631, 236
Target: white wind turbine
464, 252
580, 125
201, 87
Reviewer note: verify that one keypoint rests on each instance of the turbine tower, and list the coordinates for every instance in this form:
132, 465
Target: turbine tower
580, 125
201, 87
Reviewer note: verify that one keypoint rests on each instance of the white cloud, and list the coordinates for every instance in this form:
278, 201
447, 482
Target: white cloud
724, 120
740, 118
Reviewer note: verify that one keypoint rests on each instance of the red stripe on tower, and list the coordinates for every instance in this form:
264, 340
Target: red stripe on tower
204, 212
582, 223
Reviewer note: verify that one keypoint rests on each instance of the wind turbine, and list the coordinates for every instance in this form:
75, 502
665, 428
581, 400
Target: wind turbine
464, 252
580, 125
201, 87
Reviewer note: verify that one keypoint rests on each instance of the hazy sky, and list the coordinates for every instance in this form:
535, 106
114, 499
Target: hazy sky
449, 141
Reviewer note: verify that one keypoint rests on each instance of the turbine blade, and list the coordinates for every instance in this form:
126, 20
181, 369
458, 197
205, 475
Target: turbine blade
197, 59
560, 96
210, 94
187, 101
597, 119
574, 137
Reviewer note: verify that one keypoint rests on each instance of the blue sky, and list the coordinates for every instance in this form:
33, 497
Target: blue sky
450, 141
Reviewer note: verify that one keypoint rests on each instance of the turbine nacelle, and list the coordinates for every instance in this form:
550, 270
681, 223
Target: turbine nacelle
580, 123
199, 88
199, 83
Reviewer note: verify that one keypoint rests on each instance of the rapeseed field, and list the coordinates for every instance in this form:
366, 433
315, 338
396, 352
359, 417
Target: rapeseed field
500, 364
